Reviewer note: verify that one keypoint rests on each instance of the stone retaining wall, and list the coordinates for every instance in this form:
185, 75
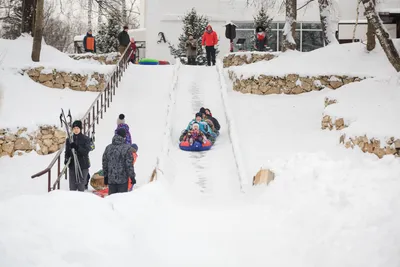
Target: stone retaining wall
289, 84
241, 59
106, 59
59, 79
366, 144
46, 140
372, 145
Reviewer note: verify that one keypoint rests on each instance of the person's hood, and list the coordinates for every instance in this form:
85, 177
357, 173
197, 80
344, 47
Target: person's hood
209, 28
118, 140
89, 35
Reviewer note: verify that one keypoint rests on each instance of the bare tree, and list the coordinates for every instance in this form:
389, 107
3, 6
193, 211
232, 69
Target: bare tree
38, 31
289, 30
28, 16
371, 43
383, 36
100, 14
90, 13
124, 12
326, 21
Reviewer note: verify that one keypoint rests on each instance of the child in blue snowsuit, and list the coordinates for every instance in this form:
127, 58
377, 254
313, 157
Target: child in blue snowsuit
202, 125
121, 124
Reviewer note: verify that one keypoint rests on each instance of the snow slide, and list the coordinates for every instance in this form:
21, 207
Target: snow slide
212, 172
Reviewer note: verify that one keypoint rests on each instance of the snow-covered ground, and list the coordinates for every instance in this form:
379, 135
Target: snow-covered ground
327, 206
29, 104
331, 60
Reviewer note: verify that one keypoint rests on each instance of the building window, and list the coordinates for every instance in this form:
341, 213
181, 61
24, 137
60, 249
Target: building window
308, 36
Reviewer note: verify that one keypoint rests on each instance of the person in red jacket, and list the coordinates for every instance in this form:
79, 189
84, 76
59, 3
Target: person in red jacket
133, 47
209, 40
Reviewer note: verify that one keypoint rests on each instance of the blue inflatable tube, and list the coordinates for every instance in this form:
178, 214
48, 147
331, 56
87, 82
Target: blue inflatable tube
148, 63
196, 146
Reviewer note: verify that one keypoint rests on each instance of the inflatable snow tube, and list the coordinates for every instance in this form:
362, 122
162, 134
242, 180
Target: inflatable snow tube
163, 62
148, 61
196, 146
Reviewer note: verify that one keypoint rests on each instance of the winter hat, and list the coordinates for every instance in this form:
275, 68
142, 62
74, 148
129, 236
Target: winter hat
135, 147
121, 132
198, 114
195, 124
132, 39
77, 124
121, 119
202, 110
126, 27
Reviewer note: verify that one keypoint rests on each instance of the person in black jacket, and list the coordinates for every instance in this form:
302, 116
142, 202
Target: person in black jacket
261, 39
209, 116
124, 40
82, 146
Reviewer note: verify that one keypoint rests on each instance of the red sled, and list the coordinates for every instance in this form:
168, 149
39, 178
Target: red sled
103, 193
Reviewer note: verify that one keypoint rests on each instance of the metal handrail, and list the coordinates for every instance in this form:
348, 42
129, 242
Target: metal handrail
92, 115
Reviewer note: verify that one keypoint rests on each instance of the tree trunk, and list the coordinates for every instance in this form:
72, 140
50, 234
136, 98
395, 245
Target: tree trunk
383, 36
371, 35
124, 12
38, 31
325, 17
90, 12
28, 15
289, 31
99, 18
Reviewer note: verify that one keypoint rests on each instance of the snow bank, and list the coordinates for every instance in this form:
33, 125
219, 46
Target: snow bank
37, 234
29, 104
16, 54
370, 107
161, 165
325, 212
232, 127
336, 59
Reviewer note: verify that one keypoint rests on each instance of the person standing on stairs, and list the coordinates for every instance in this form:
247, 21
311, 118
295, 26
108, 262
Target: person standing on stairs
124, 40
132, 44
82, 146
118, 163
121, 124
191, 50
209, 40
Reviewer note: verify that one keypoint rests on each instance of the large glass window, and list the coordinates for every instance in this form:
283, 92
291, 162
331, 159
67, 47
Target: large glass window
312, 40
308, 36
248, 35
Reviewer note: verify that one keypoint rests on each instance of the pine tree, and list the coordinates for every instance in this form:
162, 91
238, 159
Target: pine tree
264, 21
195, 25
107, 37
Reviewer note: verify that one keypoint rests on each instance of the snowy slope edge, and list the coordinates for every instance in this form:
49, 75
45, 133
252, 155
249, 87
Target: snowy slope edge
231, 127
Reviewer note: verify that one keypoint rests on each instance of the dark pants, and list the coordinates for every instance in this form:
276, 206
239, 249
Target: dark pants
73, 185
117, 188
192, 60
210, 51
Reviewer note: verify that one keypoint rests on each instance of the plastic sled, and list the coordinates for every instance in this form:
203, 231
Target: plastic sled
163, 62
196, 146
104, 192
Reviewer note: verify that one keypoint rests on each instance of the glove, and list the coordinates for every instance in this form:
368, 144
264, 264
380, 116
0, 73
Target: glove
73, 145
105, 180
133, 180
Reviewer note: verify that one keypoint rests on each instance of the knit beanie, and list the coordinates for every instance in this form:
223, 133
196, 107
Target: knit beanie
195, 124
121, 119
198, 114
135, 147
202, 110
121, 132
77, 124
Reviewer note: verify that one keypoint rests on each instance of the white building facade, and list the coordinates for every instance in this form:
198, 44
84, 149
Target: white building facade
162, 18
